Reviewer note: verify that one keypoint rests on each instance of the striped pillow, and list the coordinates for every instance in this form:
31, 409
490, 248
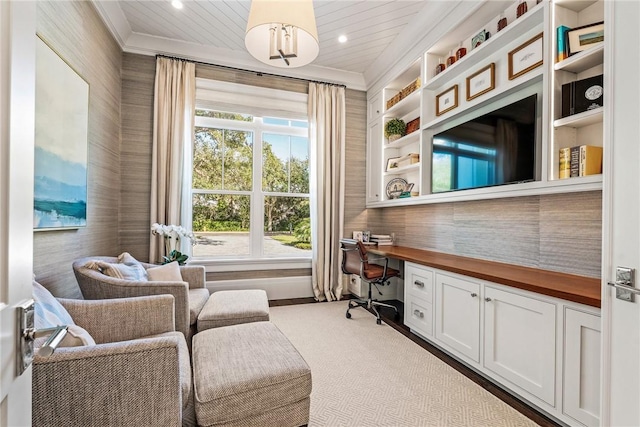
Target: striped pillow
49, 313
118, 271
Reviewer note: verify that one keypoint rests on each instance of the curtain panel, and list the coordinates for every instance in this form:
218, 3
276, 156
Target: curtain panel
173, 124
327, 138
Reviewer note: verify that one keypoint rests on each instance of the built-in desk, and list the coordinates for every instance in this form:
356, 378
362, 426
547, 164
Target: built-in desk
580, 289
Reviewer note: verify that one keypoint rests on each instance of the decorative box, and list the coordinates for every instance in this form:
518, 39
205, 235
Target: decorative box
582, 95
413, 125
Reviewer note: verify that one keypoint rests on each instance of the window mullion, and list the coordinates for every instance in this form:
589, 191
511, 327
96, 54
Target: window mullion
257, 200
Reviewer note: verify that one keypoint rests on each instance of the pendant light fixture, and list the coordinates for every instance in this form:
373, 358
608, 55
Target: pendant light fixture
282, 33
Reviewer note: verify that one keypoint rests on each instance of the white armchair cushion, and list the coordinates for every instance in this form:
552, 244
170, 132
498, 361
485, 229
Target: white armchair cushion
49, 313
118, 270
165, 273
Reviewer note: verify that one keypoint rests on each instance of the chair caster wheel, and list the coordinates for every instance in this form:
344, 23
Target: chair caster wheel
348, 315
379, 322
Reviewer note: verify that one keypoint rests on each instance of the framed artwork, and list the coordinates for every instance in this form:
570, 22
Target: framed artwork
61, 129
392, 163
447, 100
585, 37
526, 57
481, 82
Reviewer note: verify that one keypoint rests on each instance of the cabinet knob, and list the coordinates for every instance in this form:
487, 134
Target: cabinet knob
473, 295
487, 299
419, 283
418, 313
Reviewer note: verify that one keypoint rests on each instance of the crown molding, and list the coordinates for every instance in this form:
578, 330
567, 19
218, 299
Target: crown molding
115, 20
152, 45
144, 44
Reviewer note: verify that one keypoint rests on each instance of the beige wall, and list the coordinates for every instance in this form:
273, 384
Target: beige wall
75, 31
560, 232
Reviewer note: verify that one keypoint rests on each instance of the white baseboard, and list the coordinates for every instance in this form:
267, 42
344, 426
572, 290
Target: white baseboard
280, 288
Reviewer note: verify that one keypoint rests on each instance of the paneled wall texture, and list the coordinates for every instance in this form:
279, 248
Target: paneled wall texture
561, 232
76, 32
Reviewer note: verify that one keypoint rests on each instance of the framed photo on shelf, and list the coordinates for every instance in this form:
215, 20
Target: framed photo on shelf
481, 82
392, 163
585, 37
526, 57
447, 100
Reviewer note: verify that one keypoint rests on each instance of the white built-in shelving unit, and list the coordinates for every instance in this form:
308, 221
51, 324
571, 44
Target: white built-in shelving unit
546, 80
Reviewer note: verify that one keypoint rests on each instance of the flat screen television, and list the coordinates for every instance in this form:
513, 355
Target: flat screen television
495, 148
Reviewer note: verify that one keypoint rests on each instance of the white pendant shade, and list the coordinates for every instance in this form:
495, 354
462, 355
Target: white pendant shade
299, 45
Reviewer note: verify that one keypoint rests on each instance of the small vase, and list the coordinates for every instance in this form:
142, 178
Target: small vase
394, 137
502, 23
522, 9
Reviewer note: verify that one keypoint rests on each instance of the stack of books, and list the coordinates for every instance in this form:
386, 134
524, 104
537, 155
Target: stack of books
581, 160
382, 239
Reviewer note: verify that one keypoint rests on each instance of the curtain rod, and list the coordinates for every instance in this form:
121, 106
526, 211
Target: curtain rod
258, 73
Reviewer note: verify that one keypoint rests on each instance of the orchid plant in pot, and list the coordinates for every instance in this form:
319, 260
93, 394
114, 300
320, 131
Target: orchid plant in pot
172, 235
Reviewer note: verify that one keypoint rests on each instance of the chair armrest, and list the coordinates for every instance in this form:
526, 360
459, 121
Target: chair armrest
123, 319
118, 384
194, 275
109, 287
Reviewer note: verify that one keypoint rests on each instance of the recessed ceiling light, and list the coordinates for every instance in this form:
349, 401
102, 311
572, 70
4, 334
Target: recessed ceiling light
177, 4
342, 39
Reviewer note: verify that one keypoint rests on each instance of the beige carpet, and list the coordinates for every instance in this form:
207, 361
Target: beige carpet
366, 374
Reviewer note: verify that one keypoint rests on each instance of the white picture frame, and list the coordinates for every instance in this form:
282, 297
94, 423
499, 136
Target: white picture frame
447, 100
526, 57
481, 82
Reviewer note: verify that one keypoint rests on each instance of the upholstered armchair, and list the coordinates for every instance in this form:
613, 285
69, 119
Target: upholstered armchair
190, 294
137, 372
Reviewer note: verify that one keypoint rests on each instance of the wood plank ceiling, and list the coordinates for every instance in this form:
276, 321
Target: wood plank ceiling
370, 25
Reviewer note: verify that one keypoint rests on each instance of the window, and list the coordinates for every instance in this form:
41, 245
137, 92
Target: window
250, 186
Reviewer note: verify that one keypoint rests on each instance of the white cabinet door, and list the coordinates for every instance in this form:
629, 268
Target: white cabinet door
375, 108
581, 392
374, 163
458, 315
520, 339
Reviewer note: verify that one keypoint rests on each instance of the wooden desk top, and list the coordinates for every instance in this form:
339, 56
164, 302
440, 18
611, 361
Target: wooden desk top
580, 289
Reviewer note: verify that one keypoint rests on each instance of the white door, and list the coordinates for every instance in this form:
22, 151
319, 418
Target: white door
621, 213
17, 109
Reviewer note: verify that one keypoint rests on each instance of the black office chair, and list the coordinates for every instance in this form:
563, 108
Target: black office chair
355, 261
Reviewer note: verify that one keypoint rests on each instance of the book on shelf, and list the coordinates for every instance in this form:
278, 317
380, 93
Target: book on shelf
574, 161
562, 45
581, 160
565, 163
590, 160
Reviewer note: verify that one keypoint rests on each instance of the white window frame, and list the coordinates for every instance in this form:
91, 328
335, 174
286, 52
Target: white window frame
260, 102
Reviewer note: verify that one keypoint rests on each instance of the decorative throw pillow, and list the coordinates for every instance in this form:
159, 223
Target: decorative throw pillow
118, 271
127, 259
165, 273
49, 313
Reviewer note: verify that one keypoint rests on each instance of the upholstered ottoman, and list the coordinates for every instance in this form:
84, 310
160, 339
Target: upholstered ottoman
249, 375
226, 308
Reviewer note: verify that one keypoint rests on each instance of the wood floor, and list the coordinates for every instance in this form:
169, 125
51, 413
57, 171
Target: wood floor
388, 317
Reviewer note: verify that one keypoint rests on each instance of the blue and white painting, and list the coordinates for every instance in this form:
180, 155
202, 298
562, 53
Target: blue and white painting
62, 112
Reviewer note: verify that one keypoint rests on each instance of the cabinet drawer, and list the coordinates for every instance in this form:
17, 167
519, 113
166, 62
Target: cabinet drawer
419, 282
418, 315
